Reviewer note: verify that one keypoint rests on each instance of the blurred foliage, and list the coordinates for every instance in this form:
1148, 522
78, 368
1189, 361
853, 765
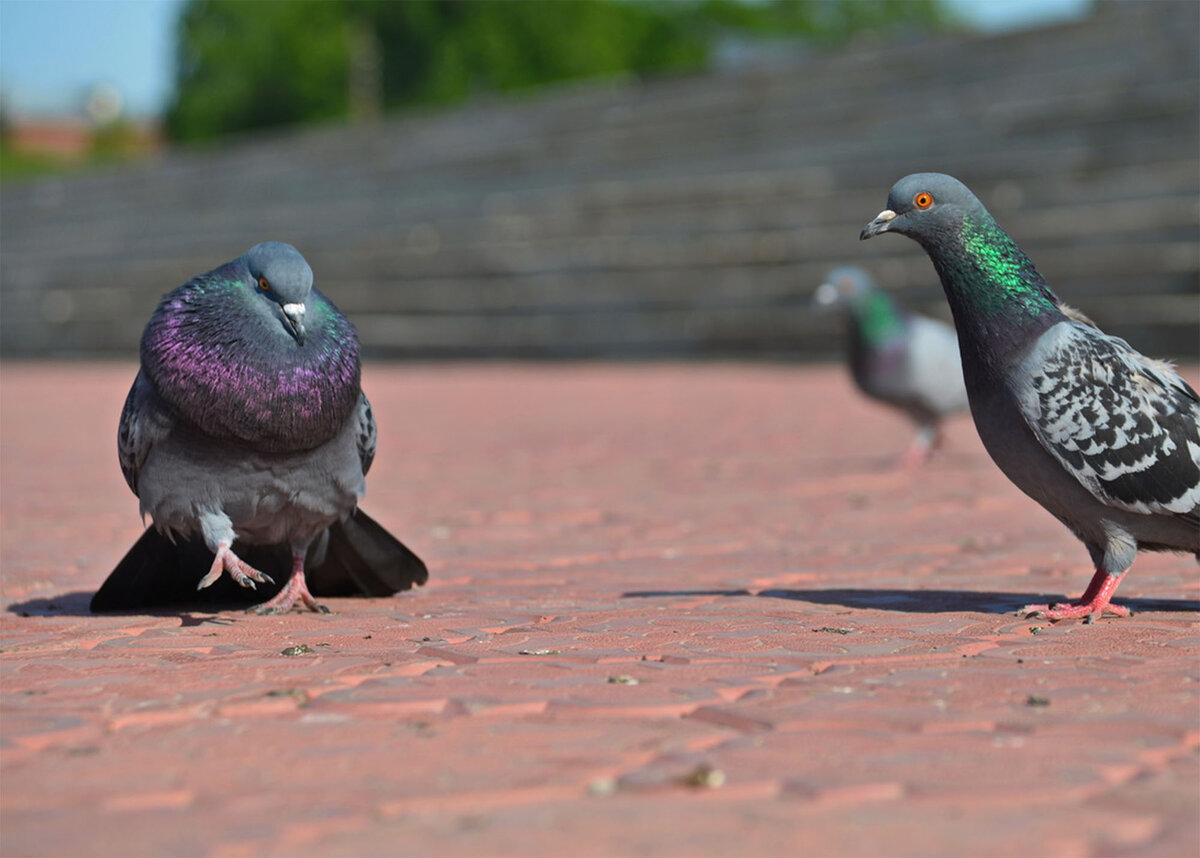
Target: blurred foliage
111, 143
824, 21
116, 141
15, 164
244, 65
248, 65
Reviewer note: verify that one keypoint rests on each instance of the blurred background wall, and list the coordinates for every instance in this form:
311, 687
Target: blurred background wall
680, 216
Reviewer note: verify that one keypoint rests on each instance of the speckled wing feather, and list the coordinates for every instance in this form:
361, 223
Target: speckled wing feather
367, 433
1124, 425
142, 423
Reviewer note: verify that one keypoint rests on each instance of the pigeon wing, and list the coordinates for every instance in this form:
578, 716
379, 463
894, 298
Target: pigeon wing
1125, 426
367, 433
144, 420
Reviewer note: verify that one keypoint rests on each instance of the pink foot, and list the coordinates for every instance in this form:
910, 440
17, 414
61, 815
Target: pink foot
927, 439
914, 457
296, 588
1074, 610
239, 570
1091, 605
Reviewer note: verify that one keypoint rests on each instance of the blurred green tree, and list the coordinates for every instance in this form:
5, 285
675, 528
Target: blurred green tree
247, 65
242, 66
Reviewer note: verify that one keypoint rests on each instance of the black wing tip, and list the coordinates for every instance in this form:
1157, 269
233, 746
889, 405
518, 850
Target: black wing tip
363, 558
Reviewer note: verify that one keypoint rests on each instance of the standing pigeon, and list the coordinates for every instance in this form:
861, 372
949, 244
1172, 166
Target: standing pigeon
246, 429
897, 357
1104, 438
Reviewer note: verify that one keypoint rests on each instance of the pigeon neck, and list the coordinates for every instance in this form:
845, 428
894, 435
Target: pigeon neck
878, 319
234, 375
999, 300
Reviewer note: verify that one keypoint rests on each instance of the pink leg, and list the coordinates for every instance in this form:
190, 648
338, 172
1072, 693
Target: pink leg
296, 588
239, 570
927, 439
1092, 604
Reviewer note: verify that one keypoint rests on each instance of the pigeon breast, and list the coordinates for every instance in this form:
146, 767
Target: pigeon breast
229, 368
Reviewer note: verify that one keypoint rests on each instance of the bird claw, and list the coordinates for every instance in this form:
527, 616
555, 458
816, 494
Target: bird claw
246, 576
1089, 612
239, 570
915, 456
282, 602
1089, 607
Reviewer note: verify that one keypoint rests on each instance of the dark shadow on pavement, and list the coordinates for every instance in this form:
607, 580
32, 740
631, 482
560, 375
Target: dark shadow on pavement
950, 601
661, 594
76, 605
922, 601
66, 604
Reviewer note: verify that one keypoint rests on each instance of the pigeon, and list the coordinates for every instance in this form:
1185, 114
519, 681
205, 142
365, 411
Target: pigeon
1103, 437
246, 437
898, 357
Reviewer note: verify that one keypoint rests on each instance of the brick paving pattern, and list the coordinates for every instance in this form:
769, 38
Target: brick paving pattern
673, 610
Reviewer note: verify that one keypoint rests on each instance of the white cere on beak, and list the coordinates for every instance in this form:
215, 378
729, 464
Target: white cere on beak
295, 317
826, 294
880, 224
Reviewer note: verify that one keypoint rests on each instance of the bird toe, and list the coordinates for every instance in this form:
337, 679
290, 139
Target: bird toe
267, 610
1089, 612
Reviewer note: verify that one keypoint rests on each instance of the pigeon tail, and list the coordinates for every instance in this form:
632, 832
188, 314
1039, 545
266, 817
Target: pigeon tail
363, 556
360, 559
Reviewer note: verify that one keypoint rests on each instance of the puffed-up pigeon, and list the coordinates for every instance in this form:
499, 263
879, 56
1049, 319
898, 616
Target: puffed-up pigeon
1104, 438
246, 437
898, 357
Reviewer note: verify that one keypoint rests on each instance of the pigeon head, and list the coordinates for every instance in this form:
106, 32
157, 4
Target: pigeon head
845, 285
876, 319
283, 278
992, 286
250, 350
924, 206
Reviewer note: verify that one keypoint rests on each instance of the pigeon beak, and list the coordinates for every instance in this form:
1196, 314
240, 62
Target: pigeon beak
825, 295
881, 223
293, 314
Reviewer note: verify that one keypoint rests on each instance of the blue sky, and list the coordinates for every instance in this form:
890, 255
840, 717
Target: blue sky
53, 51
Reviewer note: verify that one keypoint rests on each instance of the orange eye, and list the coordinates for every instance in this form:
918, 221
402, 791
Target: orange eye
263, 284
923, 200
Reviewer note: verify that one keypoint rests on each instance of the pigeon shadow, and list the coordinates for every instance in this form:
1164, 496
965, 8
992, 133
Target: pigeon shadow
660, 594
922, 601
76, 604
66, 604
955, 601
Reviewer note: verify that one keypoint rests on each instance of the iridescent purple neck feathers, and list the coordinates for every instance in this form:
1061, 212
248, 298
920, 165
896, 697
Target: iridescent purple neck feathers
223, 351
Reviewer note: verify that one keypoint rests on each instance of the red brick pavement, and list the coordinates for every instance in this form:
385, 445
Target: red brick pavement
673, 610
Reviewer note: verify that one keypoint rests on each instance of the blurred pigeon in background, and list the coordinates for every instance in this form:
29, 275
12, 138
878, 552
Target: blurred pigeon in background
897, 357
247, 438
1106, 439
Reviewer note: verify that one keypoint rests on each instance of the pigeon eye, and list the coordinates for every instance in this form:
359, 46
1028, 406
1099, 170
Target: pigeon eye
923, 200
263, 284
